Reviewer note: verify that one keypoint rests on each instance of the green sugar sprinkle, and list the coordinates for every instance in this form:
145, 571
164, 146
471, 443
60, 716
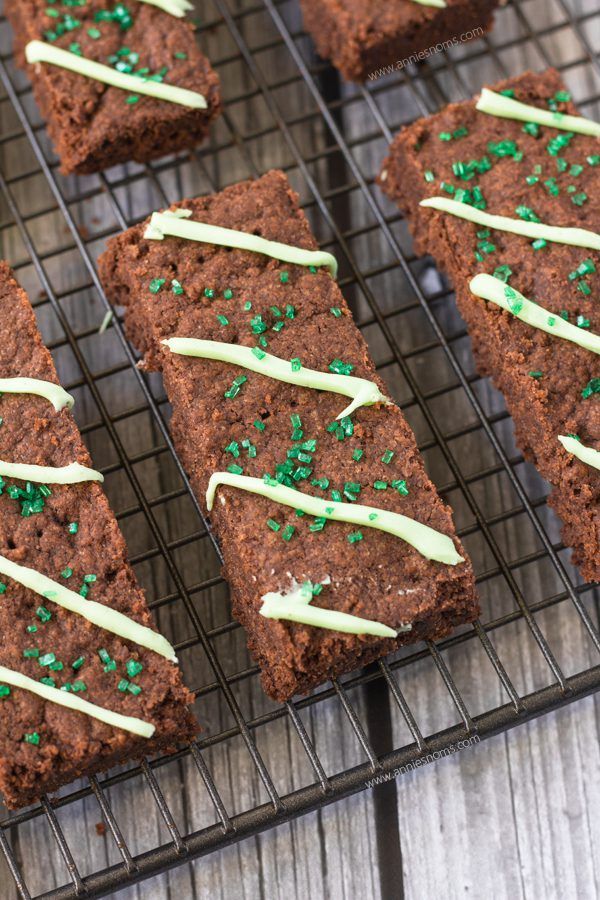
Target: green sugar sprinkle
503, 273
592, 387
318, 524
234, 390
526, 213
354, 537
288, 532
357, 454
31, 653
579, 199
340, 368
31, 738
77, 664
43, 614
273, 525
4, 691
133, 668
73, 528
176, 286
260, 426
47, 659
156, 284
387, 457
536, 375
587, 267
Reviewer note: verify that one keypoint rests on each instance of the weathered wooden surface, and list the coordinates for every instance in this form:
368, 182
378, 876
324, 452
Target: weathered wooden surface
512, 817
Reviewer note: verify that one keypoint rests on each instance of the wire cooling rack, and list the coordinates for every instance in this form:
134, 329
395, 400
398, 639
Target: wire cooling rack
536, 646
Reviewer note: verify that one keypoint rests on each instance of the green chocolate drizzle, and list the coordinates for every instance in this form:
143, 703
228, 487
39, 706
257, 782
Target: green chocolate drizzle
362, 391
430, 543
40, 51
507, 108
294, 605
176, 8
98, 613
75, 702
586, 454
74, 473
52, 392
576, 237
176, 224
496, 291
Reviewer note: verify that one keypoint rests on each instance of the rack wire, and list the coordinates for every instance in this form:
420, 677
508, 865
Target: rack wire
536, 645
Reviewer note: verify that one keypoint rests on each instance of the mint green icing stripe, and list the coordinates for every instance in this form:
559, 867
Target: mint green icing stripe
294, 606
430, 543
103, 616
39, 51
439, 4
496, 291
576, 237
71, 474
508, 108
57, 396
362, 391
586, 454
74, 701
176, 8
177, 224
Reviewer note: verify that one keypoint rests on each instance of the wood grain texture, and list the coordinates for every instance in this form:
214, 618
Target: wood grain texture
514, 816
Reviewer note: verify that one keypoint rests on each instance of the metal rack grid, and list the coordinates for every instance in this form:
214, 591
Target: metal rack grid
294, 112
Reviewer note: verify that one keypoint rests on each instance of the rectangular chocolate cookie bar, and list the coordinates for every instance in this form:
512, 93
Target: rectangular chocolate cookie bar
532, 173
248, 425
94, 125
55, 537
369, 38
